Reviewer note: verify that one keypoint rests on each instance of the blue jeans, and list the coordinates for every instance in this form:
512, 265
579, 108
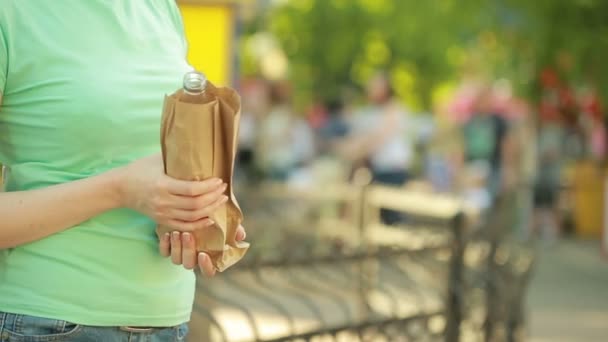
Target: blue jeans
24, 328
394, 178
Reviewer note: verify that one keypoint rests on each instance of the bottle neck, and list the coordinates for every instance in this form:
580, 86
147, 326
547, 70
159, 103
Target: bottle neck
193, 92
194, 83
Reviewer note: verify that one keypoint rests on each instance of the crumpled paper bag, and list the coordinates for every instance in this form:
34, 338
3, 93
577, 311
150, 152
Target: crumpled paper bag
199, 140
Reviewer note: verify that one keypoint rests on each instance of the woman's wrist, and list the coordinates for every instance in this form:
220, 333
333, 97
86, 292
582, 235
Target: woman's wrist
112, 187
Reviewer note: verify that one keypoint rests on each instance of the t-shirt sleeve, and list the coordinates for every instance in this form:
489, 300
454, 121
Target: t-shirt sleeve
3, 60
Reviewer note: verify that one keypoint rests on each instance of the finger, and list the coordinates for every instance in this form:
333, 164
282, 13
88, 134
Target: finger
164, 245
182, 215
240, 233
188, 251
187, 203
184, 226
205, 264
176, 248
192, 188
210, 209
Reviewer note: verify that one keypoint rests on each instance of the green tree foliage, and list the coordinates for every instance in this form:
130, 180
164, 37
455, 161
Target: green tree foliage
426, 44
570, 36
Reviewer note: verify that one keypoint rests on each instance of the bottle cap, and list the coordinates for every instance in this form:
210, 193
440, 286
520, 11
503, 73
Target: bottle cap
195, 82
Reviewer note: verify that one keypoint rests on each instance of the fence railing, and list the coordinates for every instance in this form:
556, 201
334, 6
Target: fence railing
325, 267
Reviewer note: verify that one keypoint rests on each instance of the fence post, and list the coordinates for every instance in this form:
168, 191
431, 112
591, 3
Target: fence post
492, 300
455, 282
361, 181
499, 226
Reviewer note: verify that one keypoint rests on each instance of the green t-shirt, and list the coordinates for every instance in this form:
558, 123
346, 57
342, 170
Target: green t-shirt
83, 84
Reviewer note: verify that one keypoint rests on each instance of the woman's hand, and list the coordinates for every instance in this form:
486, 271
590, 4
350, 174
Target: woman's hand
182, 249
182, 205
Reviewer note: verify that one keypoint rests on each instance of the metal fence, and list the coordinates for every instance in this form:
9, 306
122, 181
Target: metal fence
324, 267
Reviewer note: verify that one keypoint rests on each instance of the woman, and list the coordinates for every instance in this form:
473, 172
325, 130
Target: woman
383, 137
82, 85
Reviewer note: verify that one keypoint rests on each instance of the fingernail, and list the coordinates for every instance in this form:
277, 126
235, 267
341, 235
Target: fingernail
187, 237
224, 198
202, 256
217, 181
167, 237
225, 186
175, 236
210, 223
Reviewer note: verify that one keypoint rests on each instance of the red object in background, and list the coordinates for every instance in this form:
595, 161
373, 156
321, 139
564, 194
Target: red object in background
557, 101
590, 104
549, 106
568, 106
317, 116
549, 78
566, 98
598, 138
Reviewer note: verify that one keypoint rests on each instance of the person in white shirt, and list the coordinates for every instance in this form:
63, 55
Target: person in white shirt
382, 135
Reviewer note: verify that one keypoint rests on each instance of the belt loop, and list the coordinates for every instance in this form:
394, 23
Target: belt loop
18, 323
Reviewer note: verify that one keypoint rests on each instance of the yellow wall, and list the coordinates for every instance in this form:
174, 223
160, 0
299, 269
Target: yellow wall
209, 31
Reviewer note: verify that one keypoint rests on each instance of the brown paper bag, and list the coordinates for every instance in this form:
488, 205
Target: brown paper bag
199, 140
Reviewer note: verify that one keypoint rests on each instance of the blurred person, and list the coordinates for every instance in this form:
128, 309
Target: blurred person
382, 135
317, 115
285, 141
385, 122
520, 161
304, 152
439, 162
597, 139
255, 98
335, 128
81, 93
247, 141
550, 148
522, 164
274, 143
484, 136
592, 111
475, 192
339, 124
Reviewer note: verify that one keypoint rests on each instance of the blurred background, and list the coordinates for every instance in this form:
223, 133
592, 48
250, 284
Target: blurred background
495, 107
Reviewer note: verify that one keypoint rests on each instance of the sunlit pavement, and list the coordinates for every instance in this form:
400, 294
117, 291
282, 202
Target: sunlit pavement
568, 298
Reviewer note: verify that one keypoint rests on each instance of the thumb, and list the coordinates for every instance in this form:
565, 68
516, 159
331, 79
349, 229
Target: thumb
240, 233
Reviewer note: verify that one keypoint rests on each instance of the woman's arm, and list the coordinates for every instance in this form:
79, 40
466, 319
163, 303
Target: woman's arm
26, 216
30, 215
